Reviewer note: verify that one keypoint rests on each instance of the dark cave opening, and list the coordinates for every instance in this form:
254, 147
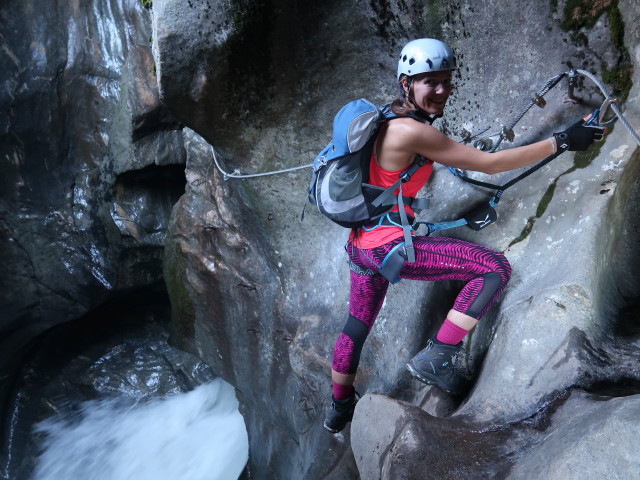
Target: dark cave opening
622, 387
168, 180
144, 200
48, 376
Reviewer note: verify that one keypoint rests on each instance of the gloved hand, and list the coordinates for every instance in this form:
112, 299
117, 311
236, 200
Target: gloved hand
578, 137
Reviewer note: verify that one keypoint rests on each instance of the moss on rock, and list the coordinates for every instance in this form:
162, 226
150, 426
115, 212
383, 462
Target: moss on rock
584, 13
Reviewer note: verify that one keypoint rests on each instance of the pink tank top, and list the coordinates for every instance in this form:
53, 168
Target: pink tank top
371, 238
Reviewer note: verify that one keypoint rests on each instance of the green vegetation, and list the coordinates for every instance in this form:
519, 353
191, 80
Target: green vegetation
546, 199
584, 13
578, 14
183, 311
620, 76
616, 24
580, 160
620, 79
146, 3
525, 232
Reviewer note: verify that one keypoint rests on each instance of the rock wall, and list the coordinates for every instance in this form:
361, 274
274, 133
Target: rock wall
91, 164
92, 146
262, 296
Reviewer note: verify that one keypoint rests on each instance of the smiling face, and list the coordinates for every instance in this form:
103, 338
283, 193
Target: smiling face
430, 91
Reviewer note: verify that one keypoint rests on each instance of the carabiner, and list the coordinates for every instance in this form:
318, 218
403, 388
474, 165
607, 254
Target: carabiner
597, 118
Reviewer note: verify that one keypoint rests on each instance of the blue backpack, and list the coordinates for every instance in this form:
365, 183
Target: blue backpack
339, 185
340, 174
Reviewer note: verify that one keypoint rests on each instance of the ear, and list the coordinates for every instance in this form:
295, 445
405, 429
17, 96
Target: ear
404, 84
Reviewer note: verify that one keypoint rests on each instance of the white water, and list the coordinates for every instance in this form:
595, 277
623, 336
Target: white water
198, 435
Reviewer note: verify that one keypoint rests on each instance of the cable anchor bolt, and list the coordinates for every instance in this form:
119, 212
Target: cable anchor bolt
539, 100
484, 144
465, 135
506, 133
569, 97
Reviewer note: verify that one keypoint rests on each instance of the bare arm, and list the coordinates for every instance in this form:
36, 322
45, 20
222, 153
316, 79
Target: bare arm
405, 137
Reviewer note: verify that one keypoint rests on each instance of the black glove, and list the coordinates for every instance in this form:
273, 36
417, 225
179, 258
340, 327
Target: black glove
578, 137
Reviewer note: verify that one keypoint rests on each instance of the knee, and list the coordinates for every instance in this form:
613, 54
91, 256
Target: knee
498, 276
502, 268
356, 330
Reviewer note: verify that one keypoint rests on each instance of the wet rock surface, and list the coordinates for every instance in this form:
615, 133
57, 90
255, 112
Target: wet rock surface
90, 163
119, 351
403, 441
92, 146
584, 437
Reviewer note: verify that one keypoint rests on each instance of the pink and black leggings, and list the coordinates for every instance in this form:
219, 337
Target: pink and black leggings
437, 258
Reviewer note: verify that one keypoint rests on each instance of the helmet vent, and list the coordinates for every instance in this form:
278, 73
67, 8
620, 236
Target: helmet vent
412, 61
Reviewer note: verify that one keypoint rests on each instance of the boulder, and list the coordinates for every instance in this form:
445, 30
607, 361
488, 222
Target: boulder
252, 282
586, 437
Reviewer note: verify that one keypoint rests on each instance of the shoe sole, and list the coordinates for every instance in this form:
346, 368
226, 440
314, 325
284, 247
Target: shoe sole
427, 379
329, 429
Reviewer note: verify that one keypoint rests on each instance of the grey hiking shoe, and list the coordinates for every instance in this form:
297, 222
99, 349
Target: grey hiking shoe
442, 365
341, 413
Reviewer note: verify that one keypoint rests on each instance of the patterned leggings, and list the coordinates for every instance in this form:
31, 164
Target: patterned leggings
437, 258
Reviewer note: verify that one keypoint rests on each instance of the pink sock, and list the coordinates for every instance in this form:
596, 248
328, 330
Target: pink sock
340, 392
450, 333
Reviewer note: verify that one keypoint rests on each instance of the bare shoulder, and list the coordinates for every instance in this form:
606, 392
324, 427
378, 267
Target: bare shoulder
400, 142
410, 128
406, 123
412, 134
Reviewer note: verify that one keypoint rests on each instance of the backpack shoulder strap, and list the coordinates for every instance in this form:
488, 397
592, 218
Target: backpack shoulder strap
403, 178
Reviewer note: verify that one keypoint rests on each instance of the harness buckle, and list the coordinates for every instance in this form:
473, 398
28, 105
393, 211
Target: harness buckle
393, 263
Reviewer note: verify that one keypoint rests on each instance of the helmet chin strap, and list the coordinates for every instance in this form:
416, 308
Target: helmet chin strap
427, 116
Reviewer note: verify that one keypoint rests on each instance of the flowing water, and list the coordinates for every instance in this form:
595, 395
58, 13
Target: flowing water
188, 436
107, 397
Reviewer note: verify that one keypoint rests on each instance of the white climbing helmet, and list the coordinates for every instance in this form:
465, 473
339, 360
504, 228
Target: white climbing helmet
425, 55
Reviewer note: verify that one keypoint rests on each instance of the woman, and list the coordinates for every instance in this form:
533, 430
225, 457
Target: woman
424, 75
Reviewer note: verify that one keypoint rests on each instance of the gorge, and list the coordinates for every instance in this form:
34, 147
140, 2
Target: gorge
110, 110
